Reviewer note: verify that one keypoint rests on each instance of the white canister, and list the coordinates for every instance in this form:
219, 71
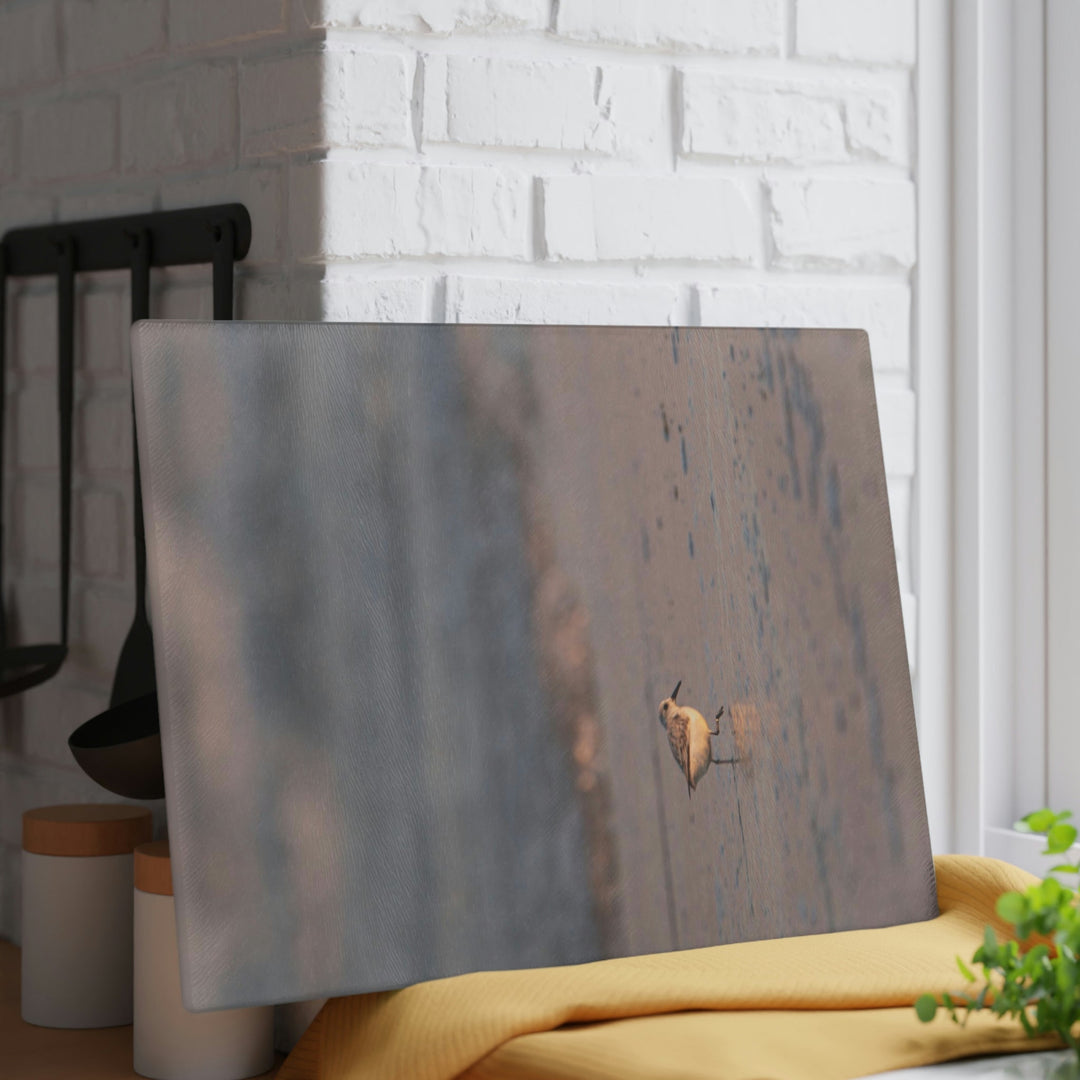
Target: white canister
170, 1042
77, 876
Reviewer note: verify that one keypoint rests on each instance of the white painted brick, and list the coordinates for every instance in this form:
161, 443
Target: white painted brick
99, 533
102, 617
342, 210
614, 109
281, 103
367, 98
9, 133
101, 321
841, 222
645, 217
325, 98
33, 323
259, 189
212, 22
882, 309
726, 26
351, 298
877, 125
430, 16
28, 53
877, 31
798, 122
469, 211
34, 614
184, 301
51, 712
37, 515
104, 424
69, 138
19, 208
532, 300
896, 416
274, 299
187, 119
36, 420
117, 199
106, 33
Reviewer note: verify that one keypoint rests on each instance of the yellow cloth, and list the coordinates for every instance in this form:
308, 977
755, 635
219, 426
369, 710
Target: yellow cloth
816, 1007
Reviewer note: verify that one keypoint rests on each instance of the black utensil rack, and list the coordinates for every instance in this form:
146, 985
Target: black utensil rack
219, 235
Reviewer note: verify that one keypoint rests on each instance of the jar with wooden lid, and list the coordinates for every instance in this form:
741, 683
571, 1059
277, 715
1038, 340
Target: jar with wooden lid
77, 876
170, 1042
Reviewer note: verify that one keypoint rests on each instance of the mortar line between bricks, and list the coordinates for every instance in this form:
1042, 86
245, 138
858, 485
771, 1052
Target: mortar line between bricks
540, 45
514, 159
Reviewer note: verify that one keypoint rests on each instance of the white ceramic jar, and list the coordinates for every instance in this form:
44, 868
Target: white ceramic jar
170, 1042
77, 876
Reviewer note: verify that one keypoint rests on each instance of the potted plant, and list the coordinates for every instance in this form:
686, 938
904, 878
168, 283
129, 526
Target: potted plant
1036, 977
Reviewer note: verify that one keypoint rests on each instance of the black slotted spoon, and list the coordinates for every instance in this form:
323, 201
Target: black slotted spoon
26, 666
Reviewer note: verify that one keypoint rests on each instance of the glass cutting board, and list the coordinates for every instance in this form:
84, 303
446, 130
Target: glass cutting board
420, 594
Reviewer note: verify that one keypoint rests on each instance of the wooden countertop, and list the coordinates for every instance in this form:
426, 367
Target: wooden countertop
36, 1053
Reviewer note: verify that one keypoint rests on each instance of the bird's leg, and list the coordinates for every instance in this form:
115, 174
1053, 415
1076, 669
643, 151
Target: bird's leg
718, 715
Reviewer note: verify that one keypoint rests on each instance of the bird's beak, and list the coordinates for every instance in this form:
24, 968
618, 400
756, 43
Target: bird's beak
675, 692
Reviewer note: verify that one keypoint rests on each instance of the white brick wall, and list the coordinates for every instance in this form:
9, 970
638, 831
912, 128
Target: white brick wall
723, 162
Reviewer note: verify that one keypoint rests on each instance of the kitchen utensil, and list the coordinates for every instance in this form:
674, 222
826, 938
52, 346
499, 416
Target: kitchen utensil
25, 666
121, 747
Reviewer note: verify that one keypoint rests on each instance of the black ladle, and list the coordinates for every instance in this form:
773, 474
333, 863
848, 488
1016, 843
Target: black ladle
135, 676
24, 666
121, 747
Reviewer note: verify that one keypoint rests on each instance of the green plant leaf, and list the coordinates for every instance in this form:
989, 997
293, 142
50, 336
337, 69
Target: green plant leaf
926, 1008
1037, 821
1051, 890
1065, 868
1012, 907
965, 970
1060, 838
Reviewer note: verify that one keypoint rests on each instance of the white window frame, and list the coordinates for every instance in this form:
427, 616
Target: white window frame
1063, 401
981, 371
